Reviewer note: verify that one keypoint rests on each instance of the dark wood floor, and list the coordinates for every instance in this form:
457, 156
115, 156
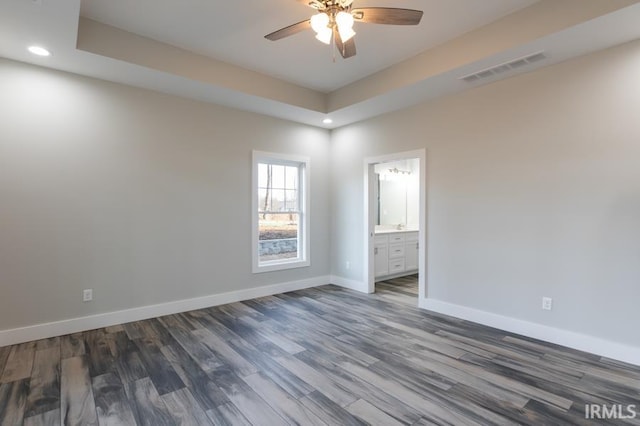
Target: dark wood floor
312, 357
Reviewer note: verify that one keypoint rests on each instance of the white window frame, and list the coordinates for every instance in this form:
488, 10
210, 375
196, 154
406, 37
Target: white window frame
303, 259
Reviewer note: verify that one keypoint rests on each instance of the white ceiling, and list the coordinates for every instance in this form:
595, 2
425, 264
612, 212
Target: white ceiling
395, 67
233, 31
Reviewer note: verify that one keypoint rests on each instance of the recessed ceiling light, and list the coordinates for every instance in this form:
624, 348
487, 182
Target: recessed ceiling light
327, 121
40, 51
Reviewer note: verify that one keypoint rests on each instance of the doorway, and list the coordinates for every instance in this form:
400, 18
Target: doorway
395, 224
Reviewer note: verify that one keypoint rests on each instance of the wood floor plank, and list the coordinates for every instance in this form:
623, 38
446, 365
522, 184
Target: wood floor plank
134, 330
294, 385
19, 363
164, 377
425, 422
4, 354
246, 332
455, 372
467, 409
52, 342
282, 403
13, 399
202, 388
386, 402
154, 329
227, 415
206, 359
185, 409
49, 418
307, 337
546, 348
77, 404
72, 345
430, 410
277, 339
127, 358
97, 346
370, 414
330, 412
112, 405
519, 415
114, 328
254, 408
620, 367
506, 382
241, 310
227, 355
44, 386
148, 408
319, 381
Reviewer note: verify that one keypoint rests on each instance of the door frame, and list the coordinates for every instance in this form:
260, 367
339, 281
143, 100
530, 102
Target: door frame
370, 221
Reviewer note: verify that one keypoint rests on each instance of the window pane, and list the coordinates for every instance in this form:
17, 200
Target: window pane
277, 200
292, 177
262, 175
263, 203
278, 176
292, 200
278, 238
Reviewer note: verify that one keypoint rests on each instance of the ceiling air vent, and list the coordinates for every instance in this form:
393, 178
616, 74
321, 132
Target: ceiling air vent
505, 67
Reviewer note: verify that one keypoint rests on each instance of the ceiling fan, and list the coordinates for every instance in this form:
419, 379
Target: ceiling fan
335, 18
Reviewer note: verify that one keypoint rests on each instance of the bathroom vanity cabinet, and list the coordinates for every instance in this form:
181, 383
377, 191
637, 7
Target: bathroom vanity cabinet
395, 254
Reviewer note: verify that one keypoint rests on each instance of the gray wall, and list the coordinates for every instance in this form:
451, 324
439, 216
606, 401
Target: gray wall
143, 197
533, 190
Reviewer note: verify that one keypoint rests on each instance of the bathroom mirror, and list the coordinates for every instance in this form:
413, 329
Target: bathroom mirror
397, 194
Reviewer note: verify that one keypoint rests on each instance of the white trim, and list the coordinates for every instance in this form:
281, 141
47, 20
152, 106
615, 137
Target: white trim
60, 328
304, 258
570, 339
369, 222
350, 284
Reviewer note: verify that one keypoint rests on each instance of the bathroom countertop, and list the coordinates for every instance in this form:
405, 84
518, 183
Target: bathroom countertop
394, 230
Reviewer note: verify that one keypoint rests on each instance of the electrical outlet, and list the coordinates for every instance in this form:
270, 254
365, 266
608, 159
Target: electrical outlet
87, 295
347, 265
547, 303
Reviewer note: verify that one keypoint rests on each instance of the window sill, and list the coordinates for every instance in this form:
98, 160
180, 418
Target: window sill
279, 266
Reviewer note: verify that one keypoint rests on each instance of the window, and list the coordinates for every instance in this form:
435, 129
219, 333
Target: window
280, 211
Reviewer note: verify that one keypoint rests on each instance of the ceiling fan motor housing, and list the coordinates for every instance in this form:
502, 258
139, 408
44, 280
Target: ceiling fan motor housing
330, 4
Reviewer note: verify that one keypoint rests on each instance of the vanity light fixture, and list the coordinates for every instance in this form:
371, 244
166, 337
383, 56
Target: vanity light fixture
396, 171
39, 51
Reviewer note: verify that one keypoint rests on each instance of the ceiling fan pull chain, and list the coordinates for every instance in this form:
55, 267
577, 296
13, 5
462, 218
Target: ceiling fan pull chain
332, 48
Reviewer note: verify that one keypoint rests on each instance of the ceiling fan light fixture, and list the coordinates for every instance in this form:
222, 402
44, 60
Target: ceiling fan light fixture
320, 22
324, 35
346, 34
344, 21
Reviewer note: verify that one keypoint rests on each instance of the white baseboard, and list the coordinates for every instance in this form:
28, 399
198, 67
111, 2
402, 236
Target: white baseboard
570, 339
350, 284
74, 325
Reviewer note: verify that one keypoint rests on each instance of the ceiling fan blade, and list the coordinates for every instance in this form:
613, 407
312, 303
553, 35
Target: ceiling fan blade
289, 31
387, 15
346, 49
